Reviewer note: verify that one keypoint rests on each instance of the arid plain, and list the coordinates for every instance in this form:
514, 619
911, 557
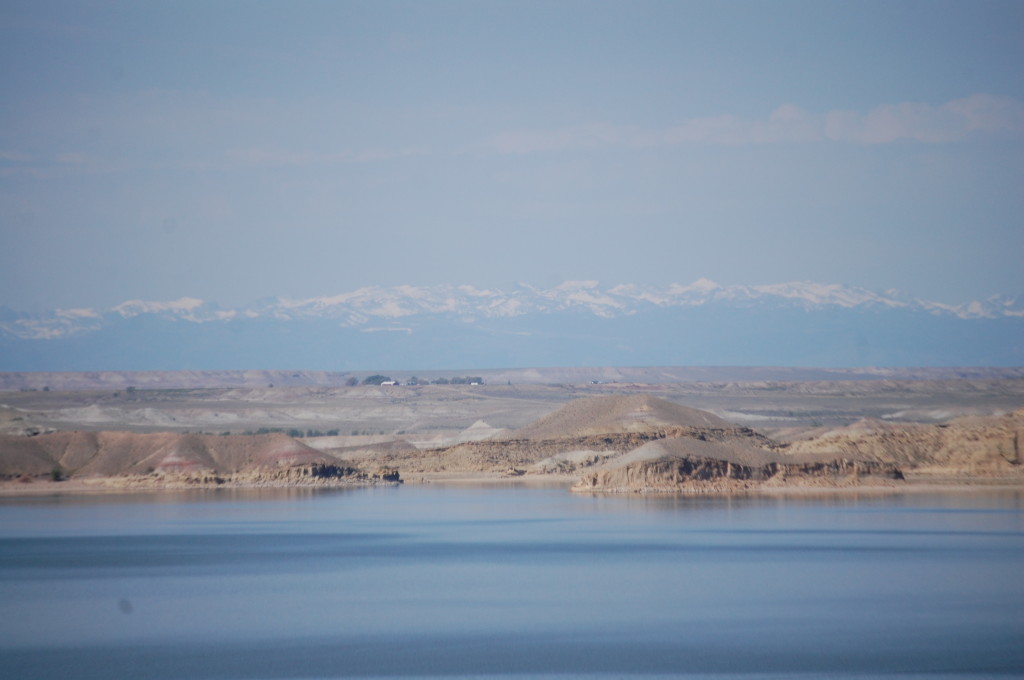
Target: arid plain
652, 429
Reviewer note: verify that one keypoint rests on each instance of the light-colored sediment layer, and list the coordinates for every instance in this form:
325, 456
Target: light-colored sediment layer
963, 447
618, 443
615, 414
107, 454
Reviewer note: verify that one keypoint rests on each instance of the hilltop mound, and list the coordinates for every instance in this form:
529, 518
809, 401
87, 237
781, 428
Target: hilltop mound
578, 436
738, 450
616, 414
673, 448
163, 457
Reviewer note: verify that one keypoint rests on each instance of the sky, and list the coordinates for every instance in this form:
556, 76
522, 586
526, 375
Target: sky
239, 150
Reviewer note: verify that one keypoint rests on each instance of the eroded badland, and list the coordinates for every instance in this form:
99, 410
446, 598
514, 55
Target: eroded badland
607, 435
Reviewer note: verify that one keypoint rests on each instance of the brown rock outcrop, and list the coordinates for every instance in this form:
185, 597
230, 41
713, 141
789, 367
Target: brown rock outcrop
972, 446
690, 465
699, 475
168, 458
499, 455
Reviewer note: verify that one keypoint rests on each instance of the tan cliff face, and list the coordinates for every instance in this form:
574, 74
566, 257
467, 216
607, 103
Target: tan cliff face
698, 475
969, 446
872, 452
735, 461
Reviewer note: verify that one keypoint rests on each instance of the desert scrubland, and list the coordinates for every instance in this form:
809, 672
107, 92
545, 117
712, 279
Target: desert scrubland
597, 430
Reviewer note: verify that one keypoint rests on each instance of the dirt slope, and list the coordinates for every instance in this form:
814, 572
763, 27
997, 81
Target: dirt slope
969, 446
616, 414
576, 437
85, 454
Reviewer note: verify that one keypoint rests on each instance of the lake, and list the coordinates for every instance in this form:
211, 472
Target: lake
511, 581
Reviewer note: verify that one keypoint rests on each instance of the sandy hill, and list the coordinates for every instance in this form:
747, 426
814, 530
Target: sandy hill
578, 435
642, 443
743, 451
616, 414
86, 454
968, 446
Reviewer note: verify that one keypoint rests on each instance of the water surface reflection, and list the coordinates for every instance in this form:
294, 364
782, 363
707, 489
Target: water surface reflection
456, 580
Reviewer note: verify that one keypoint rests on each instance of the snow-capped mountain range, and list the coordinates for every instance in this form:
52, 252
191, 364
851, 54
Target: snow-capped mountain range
578, 323
376, 305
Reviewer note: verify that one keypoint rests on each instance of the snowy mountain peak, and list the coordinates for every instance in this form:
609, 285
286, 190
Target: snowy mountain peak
183, 307
378, 304
701, 285
576, 323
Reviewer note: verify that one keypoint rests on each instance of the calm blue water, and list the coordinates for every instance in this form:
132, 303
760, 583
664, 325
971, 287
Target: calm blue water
459, 581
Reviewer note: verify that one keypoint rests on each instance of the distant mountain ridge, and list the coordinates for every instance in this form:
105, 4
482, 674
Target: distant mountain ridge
376, 303
796, 323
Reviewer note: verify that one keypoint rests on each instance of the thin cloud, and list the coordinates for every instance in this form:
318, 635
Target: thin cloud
957, 120
788, 123
977, 116
987, 113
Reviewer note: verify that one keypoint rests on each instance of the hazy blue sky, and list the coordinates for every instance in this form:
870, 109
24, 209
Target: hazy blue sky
237, 150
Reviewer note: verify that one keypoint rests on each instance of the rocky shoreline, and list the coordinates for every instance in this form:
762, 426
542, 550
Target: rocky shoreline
912, 484
266, 479
701, 475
